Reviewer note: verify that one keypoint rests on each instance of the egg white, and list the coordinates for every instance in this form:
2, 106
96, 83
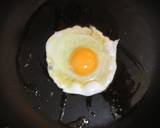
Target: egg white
59, 48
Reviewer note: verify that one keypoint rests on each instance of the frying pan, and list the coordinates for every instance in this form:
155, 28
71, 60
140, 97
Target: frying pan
29, 98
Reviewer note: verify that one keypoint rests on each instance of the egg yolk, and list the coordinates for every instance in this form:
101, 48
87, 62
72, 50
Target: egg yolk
83, 61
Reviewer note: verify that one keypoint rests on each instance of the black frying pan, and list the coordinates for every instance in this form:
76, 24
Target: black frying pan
31, 99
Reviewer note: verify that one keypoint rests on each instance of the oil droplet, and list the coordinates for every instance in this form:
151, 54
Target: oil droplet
26, 65
81, 122
51, 94
63, 106
93, 114
30, 56
36, 92
39, 107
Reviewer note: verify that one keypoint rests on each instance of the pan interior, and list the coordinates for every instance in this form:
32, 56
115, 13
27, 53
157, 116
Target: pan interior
126, 90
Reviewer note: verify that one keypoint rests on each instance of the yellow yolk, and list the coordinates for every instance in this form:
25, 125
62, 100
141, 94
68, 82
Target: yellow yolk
83, 61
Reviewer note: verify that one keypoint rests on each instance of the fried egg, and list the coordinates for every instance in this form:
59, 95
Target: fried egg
81, 60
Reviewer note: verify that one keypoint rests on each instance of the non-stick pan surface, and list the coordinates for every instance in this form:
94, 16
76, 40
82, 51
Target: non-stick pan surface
32, 99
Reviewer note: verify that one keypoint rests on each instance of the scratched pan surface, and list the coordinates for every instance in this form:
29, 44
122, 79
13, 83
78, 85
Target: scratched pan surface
123, 20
